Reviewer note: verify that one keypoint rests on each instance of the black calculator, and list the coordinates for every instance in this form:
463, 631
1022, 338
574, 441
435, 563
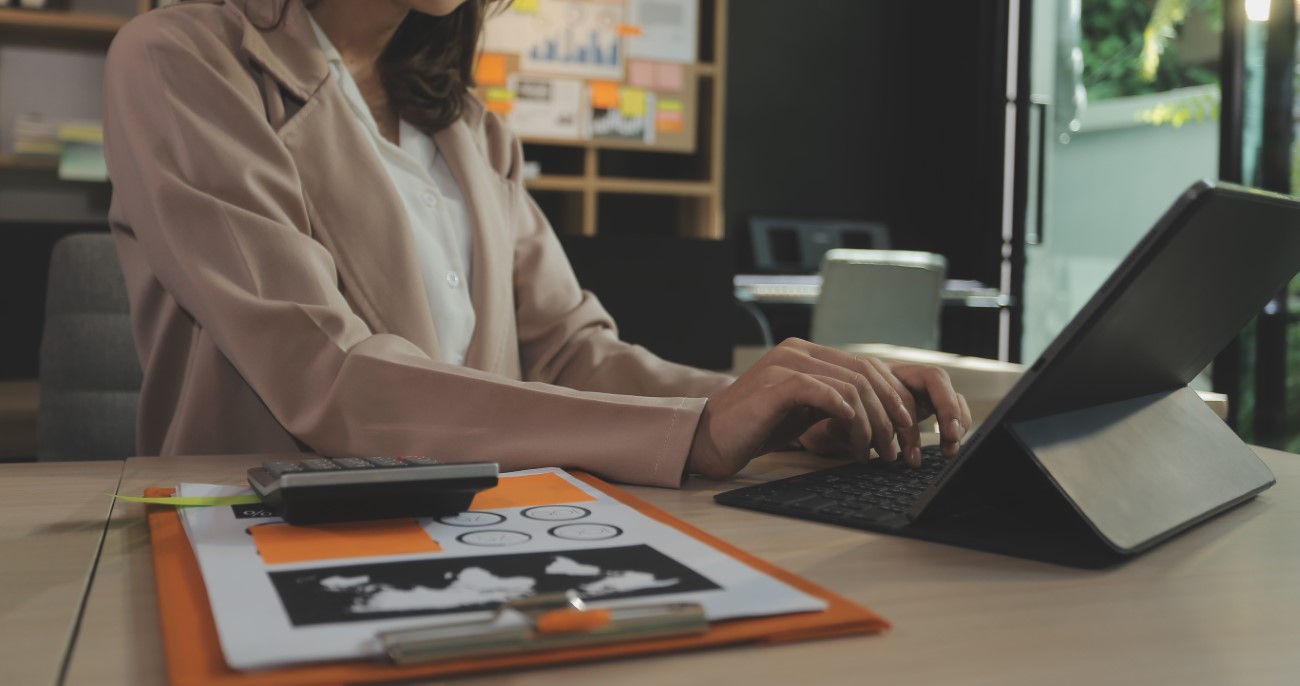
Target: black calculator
316, 490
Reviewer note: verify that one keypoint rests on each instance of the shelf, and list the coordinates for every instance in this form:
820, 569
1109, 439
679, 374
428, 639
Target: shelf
28, 163
64, 28
556, 183
702, 189
578, 184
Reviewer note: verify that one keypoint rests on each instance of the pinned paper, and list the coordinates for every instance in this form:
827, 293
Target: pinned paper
283, 543
604, 95
526, 6
670, 105
669, 76
491, 69
633, 102
640, 74
528, 491
669, 122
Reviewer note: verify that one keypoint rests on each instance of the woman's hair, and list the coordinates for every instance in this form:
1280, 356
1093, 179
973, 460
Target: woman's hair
427, 67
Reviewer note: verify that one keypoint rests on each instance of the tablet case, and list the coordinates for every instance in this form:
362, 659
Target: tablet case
194, 657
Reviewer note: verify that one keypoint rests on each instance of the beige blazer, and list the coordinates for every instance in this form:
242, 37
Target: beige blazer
276, 301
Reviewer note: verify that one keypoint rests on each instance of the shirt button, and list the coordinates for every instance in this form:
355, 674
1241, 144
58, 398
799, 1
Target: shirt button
453, 279
428, 199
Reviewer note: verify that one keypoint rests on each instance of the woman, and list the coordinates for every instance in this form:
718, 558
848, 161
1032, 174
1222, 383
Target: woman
328, 247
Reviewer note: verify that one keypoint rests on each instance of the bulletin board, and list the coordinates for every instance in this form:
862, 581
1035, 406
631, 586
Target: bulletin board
620, 73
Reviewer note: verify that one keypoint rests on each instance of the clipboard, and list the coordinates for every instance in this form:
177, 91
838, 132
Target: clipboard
194, 657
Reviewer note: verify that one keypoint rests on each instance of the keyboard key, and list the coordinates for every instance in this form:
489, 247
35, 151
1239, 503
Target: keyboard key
786, 496
353, 463
385, 462
813, 504
419, 460
279, 467
319, 464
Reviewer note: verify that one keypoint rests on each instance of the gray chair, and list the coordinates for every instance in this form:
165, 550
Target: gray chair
89, 371
880, 296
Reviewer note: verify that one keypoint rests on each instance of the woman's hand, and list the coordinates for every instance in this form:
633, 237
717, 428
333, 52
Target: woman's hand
832, 402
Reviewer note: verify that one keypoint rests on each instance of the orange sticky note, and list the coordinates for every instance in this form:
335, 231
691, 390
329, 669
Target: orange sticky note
604, 94
628, 30
528, 491
491, 70
280, 543
669, 122
501, 107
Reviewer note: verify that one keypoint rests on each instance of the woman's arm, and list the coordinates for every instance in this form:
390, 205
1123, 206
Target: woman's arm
211, 197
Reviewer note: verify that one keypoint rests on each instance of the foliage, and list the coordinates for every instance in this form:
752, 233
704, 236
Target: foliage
1128, 49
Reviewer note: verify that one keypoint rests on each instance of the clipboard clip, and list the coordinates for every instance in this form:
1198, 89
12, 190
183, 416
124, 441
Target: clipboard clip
545, 621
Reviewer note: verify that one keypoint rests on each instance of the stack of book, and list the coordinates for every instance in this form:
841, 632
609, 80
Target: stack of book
77, 143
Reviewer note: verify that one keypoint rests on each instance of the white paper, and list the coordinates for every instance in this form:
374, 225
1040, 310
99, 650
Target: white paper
562, 37
546, 108
270, 615
668, 29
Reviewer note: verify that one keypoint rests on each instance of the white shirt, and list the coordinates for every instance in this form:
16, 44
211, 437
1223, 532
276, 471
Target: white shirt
435, 209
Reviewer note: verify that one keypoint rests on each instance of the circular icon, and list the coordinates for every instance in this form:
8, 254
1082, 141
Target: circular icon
586, 532
556, 513
472, 518
494, 537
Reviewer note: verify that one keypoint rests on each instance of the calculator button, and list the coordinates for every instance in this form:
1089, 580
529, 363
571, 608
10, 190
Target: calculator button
281, 467
353, 463
319, 464
419, 460
385, 462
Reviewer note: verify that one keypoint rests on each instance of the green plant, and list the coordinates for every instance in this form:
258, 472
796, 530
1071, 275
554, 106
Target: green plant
1128, 46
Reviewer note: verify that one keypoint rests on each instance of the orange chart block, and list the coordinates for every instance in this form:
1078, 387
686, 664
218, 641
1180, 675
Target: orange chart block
280, 543
528, 491
604, 95
491, 70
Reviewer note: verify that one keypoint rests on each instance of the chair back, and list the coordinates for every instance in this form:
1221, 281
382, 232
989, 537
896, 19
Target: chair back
880, 296
89, 370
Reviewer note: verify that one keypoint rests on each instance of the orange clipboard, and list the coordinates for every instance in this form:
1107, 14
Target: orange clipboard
194, 656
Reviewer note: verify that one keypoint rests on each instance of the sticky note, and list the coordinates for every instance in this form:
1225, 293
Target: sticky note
500, 94
528, 491
670, 122
525, 6
640, 74
604, 95
491, 70
501, 107
628, 30
633, 102
670, 105
281, 543
669, 76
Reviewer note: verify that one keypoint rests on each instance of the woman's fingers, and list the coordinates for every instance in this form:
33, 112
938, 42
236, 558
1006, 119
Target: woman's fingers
817, 359
909, 437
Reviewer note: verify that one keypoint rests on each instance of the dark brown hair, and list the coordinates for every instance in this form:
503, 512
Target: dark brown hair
427, 68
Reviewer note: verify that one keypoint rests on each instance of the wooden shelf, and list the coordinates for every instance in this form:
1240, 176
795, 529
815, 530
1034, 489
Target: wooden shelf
68, 29
578, 184
28, 163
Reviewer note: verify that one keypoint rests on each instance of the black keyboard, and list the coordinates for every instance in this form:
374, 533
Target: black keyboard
873, 495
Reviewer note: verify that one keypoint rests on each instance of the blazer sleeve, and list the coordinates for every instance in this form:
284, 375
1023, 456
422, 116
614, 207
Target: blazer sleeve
211, 196
565, 336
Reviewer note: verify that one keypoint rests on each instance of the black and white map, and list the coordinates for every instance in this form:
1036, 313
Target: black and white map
442, 586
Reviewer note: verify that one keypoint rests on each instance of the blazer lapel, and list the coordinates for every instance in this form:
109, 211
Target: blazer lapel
355, 211
491, 283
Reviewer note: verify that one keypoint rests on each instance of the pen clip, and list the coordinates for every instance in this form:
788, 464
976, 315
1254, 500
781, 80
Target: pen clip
549, 621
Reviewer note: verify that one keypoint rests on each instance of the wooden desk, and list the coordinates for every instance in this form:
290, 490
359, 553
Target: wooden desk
52, 524
1216, 605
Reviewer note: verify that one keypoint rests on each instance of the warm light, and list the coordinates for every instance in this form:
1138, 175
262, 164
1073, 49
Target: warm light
1257, 10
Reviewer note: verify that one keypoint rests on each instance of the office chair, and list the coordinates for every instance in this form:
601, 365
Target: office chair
879, 296
89, 371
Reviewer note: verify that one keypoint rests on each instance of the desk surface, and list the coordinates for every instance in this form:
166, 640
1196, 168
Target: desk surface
1216, 605
50, 531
